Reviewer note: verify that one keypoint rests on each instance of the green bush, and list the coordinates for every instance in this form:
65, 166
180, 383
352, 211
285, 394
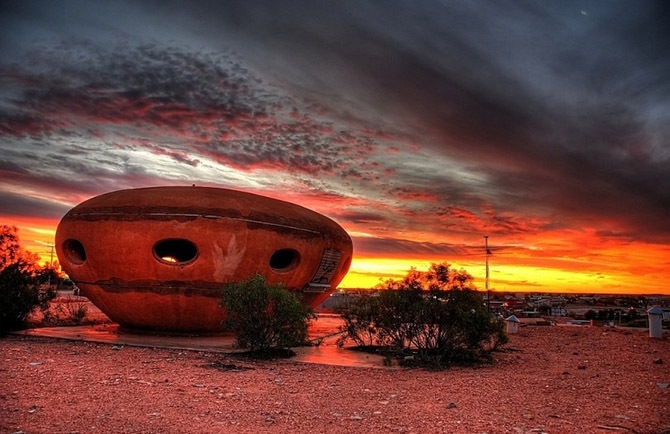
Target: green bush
428, 319
265, 318
19, 289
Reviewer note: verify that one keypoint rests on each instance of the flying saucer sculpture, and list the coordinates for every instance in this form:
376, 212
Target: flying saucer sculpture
157, 258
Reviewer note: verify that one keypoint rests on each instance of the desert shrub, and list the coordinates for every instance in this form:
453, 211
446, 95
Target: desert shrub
76, 309
590, 314
71, 310
427, 319
19, 289
266, 319
19, 297
360, 317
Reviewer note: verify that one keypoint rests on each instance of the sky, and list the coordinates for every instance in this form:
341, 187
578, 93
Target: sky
419, 126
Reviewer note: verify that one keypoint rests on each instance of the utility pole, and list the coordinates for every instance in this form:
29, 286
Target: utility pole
51, 264
488, 292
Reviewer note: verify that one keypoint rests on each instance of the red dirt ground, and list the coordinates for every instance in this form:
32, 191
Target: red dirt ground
550, 379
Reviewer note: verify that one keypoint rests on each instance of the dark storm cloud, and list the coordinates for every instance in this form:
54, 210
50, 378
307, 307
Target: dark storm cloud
366, 217
404, 248
559, 109
15, 205
23, 124
210, 102
157, 86
563, 106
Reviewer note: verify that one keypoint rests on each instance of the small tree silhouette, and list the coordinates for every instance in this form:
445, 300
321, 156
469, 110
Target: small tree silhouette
19, 290
434, 317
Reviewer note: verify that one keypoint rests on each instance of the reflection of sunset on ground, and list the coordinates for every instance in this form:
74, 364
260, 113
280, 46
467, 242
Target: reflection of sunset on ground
419, 127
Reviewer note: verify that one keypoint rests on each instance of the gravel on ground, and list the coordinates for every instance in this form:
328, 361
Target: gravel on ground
548, 379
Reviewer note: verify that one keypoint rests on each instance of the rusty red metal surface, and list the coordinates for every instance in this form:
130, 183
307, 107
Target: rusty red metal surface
157, 258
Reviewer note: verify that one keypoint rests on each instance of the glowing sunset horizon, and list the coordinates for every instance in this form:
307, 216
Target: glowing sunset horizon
419, 128
541, 267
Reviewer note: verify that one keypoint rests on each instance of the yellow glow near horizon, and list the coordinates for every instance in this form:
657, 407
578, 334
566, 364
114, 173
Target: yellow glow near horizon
528, 278
369, 272
629, 268
35, 235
